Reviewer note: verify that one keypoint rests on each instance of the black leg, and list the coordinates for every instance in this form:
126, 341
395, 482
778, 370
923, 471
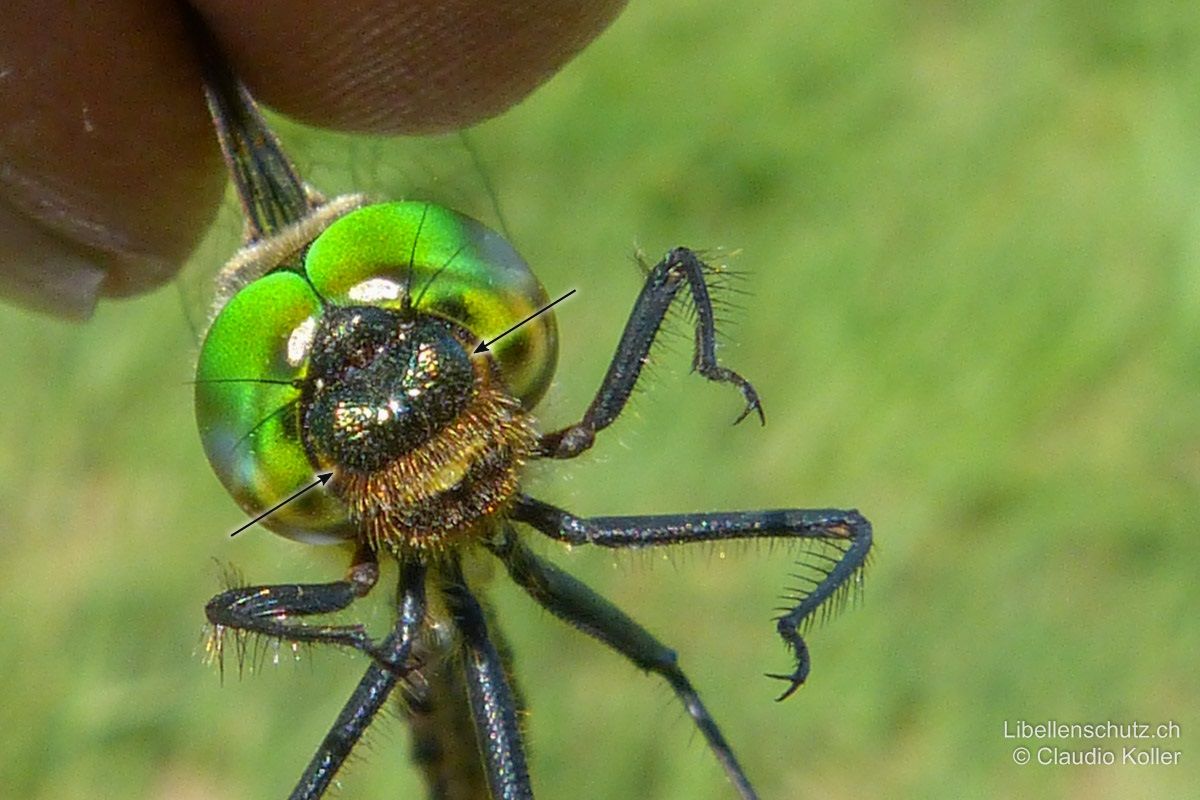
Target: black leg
678, 267
372, 691
268, 610
438, 711
493, 706
848, 532
575, 603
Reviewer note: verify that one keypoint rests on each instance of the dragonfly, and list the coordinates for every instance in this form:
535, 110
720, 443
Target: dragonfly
345, 342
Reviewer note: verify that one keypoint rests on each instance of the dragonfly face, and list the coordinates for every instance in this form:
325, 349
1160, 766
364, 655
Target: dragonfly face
360, 361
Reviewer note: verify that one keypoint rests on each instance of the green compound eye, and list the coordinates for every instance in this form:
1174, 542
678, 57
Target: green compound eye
454, 267
247, 407
255, 356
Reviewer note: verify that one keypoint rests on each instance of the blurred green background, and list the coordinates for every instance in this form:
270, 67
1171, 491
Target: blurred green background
971, 239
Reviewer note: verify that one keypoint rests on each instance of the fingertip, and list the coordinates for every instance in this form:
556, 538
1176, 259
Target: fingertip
109, 171
417, 67
43, 273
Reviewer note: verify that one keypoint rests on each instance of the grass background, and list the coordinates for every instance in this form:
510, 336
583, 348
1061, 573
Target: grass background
972, 241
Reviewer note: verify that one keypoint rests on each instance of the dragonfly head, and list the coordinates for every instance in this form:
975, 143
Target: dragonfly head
360, 359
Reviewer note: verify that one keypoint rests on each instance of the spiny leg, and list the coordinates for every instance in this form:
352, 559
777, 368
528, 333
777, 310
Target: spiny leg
268, 610
574, 602
438, 711
664, 281
373, 690
493, 705
845, 529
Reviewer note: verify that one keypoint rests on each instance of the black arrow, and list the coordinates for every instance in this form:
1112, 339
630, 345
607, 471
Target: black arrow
483, 346
322, 479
